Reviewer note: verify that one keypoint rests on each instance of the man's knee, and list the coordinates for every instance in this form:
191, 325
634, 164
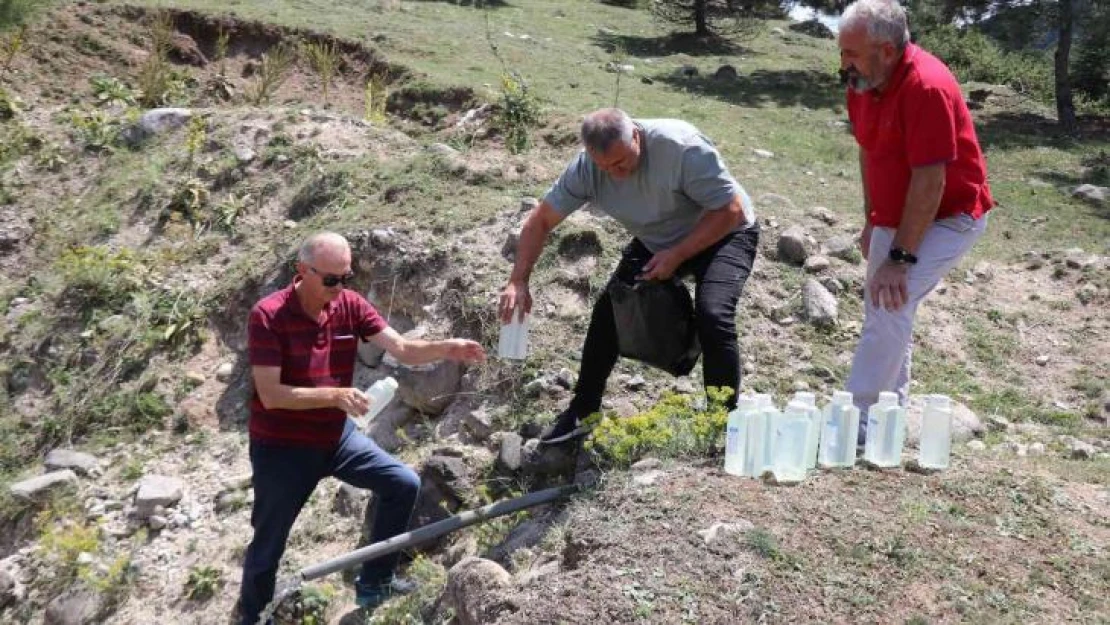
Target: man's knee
406, 484
715, 321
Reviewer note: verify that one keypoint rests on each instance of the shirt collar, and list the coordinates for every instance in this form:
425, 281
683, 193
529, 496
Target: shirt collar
900, 71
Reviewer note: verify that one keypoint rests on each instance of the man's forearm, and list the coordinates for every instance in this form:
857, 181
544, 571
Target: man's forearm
712, 227
419, 351
922, 203
863, 181
528, 249
300, 398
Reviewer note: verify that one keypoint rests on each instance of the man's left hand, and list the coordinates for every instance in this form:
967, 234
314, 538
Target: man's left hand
464, 350
661, 266
888, 287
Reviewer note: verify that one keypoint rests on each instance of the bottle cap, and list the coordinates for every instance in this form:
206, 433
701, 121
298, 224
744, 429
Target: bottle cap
938, 401
842, 398
806, 397
887, 397
388, 383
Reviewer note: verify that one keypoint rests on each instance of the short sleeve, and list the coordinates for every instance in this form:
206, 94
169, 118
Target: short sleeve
263, 344
929, 121
367, 320
574, 188
705, 179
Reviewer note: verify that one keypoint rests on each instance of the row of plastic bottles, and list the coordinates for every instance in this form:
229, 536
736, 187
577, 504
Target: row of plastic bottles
788, 443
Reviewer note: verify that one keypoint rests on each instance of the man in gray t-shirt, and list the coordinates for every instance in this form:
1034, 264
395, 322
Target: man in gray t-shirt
666, 184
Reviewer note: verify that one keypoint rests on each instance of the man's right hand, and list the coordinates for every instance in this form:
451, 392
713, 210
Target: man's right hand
352, 401
865, 240
515, 295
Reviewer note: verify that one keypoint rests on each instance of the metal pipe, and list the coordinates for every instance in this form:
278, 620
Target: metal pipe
435, 530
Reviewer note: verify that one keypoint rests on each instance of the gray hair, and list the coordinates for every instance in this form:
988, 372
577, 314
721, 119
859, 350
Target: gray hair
602, 128
313, 244
885, 21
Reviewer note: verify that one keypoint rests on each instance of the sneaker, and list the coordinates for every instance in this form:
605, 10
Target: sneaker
370, 596
567, 426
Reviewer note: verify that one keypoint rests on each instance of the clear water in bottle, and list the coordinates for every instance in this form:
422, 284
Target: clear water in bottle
380, 393
838, 436
771, 416
815, 417
886, 432
736, 434
760, 437
936, 433
513, 342
791, 443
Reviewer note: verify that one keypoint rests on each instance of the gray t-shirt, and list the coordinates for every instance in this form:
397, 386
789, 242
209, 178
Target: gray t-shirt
680, 176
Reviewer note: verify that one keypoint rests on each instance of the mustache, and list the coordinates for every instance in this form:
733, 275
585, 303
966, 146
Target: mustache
848, 74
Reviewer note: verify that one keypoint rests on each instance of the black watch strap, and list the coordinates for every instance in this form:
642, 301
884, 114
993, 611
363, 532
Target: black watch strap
902, 257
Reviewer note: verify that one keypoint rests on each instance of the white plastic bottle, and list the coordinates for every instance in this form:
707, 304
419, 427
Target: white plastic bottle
380, 393
838, 437
936, 433
815, 417
791, 443
886, 432
513, 342
771, 417
760, 431
736, 434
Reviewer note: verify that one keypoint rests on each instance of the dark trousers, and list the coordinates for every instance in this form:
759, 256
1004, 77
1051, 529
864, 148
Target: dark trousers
284, 477
720, 272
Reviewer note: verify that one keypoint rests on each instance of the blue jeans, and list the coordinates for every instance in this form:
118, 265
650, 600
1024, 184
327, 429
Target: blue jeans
283, 479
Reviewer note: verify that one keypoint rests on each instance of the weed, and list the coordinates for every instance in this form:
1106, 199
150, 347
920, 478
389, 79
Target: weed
133, 470
111, 91
190, 202
271, 73
417, 607
230, 209
203, 583
12, 45
324, 59
195, 137
8, 108
376, 98
96, 130
50, 158
223, 39
64, 540
159, 84
96, 277
308, 607
518, 114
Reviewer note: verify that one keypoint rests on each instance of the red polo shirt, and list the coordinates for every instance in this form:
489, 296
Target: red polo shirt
918, 119
311, 353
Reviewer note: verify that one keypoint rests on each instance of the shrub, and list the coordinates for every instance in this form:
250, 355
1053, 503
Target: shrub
419, 606
324, 59
272, 72
518, 114
112, 91
971, 55
96, 277
17, 12
203, 583
158, 82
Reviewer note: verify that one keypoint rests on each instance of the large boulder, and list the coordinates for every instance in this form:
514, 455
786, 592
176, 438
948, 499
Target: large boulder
429, 388
1092, 194
38, 487
966, 425
79, 462
477, 590
820, 305
383, 428
813, 28
75, 607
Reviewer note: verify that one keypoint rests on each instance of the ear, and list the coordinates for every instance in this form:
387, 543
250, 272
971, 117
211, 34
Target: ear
890, 53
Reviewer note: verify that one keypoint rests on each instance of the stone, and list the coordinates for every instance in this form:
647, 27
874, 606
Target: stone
429, 388
1041, 360
245, 155
157, 490
687, 71
635, 383
820, 306
157, 121
509, 456
242, 481
478, 591
478, 423
442, 149
996, 423
547, 461
646, 464
834, 285
648, 478
528, 204
523, 536
80, 462
983, 270
534, 388
533, 575
1037, 449
726, 72
842, 247
684, 387
793, 246
12, 591
823, 215
1080, 450
350, 501
778, 31
816, 264
1092, 194
813, 28
508, 248
195, 378
976, 445
157, 522
75, 607
965, 423
225, 371
40, 486
763, 153
717, 532
230, 501
565, 378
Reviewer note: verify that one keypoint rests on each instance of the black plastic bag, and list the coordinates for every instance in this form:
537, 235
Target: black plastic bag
655, 323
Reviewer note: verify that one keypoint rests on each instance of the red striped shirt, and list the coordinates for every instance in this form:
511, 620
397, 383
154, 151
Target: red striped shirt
312, 353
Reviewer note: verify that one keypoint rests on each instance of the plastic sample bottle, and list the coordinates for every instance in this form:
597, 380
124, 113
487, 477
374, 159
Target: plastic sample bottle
810, 400
736, 434
792, 434
936, 433
380, 393
838, 436
756, 458
513, 342
886, 432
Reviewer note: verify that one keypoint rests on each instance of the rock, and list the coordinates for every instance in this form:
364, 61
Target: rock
38, 487
719, 531
820, 305
1087, 293
965, 423
647, 464
684, 387
531, 576
832, 284
1080, 450
1015, 448
1092, 194
726, 72
793, 246
816, 264
635, 383
1041, 360
842, 247
195, 378
244, 155
763, 153
80, 462
157, 121
619, 68
687, 71
477, 591
824, 215
778, 31
450, 476
350, 501
534, 388
547, 461
996, 423
648, 478
12, 591
1037, 449
523, 536
509, 456
528, 204
565, 378
976, 445
157, 490
508, 248
241, 481
813, 28
157, 522
442, 149
75, 607
230, 501
429, 388
983, 270
225, 371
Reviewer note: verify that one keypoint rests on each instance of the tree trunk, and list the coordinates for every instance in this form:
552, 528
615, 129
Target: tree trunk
1065, 107
701, 17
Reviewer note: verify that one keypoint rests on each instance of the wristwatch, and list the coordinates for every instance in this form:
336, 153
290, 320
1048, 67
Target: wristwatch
900, 256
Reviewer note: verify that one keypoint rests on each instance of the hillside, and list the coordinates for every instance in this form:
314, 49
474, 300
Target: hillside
132, 245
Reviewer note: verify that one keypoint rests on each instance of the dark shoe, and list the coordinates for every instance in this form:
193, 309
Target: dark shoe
370, 596
566, 427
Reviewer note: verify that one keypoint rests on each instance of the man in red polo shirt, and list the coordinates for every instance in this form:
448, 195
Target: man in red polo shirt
925, 192
302, 342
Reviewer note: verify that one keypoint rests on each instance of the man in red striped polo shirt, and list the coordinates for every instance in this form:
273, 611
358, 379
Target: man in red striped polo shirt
925, 192
302, 343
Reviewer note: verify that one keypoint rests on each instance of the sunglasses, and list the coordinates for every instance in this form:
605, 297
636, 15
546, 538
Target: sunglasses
330, 279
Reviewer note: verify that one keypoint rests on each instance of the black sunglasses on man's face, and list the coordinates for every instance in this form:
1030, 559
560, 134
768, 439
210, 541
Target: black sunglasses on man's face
331, 280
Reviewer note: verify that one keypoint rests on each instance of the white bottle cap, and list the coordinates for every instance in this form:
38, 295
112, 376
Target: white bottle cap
797, 406
806, 397
389, 383
841, 398
746, 402
763, 400
887, 397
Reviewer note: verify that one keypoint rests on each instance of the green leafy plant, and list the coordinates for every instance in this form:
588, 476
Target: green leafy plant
223, 39
203, 583
271, 73
12, 45
376, 98
111, 91
518, 114
324, 59
8, 108
419, 606
97, 277
230, 209
96, 130
158, 82
195, 137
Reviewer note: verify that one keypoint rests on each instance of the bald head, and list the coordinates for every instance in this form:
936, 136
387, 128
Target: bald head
604, 128
323, 244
